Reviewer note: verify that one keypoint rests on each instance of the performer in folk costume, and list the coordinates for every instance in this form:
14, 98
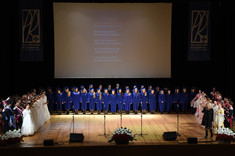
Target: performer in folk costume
144, 100
127, 100
136, 100
196, 102
152, 101
18, 114
219, 117
76, 98
169, 101
120, 100
59, 101
176, 99
91, 99
184, 100
98, 100
213, 94
8, 116
106, 101
84, 100
113, 101
208, 119
50, 99
161, 101
228, 115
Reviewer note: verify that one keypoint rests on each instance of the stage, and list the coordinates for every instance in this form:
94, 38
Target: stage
59, 127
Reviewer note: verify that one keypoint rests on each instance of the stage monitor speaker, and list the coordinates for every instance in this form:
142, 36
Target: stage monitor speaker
169, 136
192, 140
49, 142
76, 137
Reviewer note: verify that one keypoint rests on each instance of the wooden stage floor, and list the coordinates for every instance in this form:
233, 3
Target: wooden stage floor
154, 125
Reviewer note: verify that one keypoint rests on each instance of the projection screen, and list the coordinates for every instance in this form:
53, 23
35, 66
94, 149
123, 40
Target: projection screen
112, 40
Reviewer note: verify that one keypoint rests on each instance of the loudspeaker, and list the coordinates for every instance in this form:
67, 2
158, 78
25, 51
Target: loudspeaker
169, 136
76, 137
192, 140
49, 142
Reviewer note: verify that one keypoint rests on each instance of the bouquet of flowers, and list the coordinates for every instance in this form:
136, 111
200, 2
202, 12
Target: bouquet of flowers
122, 136
11, 137
225, 135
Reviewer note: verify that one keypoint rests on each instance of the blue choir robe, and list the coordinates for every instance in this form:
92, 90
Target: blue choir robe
105, 102
120, 101
176, 100
67, 100
84, 101
127, 101
157, 93
184, 100
152, 102
51, 100
76, 98
161, 101
91, 101
144, 100
98, 101
136, 101
59, 101
169, 102
113, 102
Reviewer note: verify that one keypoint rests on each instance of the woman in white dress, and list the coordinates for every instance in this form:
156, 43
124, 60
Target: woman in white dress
45, 107
28, 125
219, 119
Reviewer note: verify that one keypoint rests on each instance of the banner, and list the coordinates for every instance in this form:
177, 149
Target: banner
199, 31
31, 32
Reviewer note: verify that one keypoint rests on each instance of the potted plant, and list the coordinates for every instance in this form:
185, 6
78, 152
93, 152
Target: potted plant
225, 135
122, 136
11, 137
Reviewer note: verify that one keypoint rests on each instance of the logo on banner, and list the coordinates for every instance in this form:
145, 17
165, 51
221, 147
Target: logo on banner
199, 28
31, 28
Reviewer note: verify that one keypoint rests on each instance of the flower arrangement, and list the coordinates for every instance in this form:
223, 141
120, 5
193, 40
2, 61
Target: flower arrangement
122, 136
11, 137
225, 135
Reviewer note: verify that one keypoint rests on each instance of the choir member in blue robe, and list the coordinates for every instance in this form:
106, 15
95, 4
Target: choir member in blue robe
169, 101
101, 87
157, 90
81, 88
141, 88
117, 87
133, 90
76, 98
110, 88
84, 100
176, 99
90, 87
127, 100
50, 99
184, 100
192, 95
136, 100
98, 99
152, 101
161, 101
144, 100
68, 99
91, 100
120, 100
149, 89
59, 100
106, 101
113, 101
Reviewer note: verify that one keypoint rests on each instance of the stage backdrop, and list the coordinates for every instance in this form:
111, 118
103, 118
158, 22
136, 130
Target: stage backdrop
31, 39
199, 31
112, 40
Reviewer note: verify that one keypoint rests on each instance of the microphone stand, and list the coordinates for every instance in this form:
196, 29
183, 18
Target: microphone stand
104, 127
178, 118
121, 120
141, 127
